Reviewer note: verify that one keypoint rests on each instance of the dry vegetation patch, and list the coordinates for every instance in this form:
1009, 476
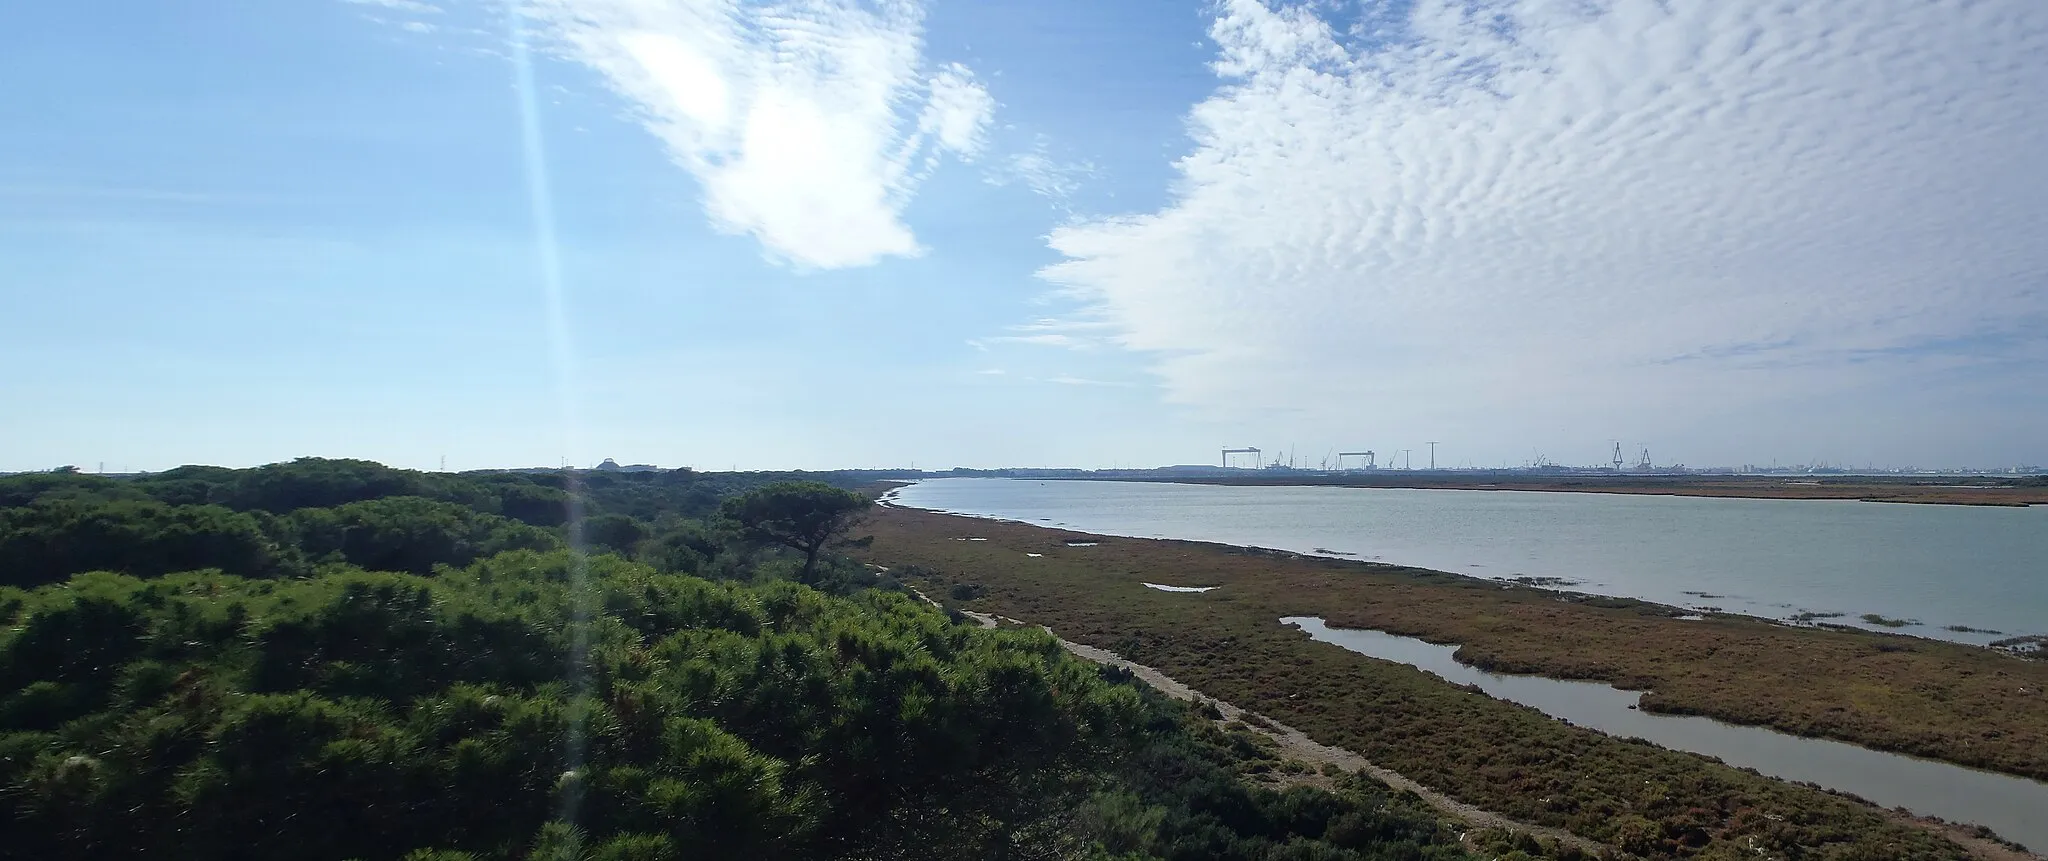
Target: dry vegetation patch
1959, 703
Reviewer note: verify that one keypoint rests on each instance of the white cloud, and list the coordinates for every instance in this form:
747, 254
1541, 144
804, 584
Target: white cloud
122, 194
958, 113
1044, 339
416, 7
1081, 334
1069, 380
808, 123
1048, 177
1509, 216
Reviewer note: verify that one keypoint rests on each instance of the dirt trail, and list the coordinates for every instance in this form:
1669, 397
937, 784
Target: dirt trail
1297, 744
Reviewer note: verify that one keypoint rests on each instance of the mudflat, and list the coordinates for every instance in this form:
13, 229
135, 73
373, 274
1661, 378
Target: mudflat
1958, 703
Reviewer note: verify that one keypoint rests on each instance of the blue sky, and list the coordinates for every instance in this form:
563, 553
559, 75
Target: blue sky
823, 234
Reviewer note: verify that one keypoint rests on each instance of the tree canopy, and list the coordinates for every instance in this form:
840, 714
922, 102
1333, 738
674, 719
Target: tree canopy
803, 516
411, 534
51, 539
400, 665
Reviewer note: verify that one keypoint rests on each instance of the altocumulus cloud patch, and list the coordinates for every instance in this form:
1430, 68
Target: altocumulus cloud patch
1472, 208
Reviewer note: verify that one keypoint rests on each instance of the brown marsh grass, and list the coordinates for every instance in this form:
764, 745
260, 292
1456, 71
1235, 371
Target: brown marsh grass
1954, 702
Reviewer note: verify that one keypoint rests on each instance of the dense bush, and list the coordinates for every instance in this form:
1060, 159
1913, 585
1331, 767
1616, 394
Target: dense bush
308, 482
658, 516
487, 693
366, 715
614, 533
51, 539
370, 715
410, 534
29, 487
532, 504
1181, 794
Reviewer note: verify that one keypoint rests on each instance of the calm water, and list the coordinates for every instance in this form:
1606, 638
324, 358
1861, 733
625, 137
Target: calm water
2011, 806
1936, 565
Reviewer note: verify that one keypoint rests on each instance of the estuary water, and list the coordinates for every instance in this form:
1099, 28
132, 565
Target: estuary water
1933, 567
2011, 806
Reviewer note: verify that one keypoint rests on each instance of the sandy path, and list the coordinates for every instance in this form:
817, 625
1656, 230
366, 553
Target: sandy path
1295, 743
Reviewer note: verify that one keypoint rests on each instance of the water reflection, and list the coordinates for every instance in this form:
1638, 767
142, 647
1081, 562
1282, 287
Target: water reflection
2012, 806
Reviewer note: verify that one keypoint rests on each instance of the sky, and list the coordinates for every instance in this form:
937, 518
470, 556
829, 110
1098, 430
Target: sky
889, 233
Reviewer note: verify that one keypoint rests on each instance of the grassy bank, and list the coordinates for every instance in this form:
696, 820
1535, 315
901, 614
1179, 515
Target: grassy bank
1917, 695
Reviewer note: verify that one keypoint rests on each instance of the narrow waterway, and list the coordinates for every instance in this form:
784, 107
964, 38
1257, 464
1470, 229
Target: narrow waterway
2012, 806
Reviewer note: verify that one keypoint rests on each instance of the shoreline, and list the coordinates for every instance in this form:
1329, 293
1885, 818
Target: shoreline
2002, 494
1821, 620
1980, 844
1493, 754
1530, 652
1989, 784
1287, 738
